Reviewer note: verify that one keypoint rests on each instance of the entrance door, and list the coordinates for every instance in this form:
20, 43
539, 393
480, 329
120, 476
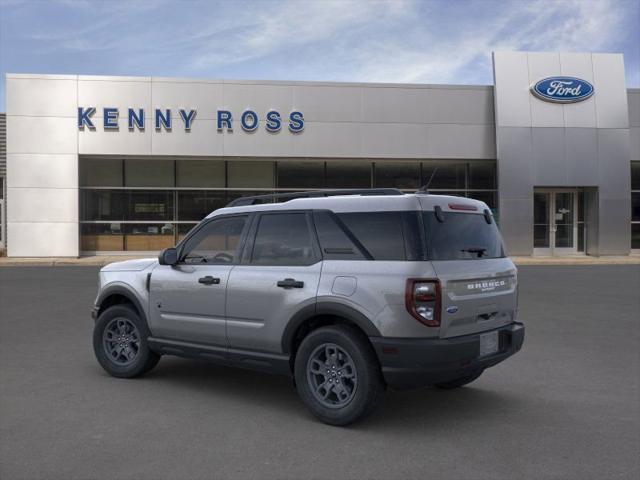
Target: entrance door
555, 226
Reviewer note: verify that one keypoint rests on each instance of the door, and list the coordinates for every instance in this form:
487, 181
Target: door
555, 226
187, 300
278, 277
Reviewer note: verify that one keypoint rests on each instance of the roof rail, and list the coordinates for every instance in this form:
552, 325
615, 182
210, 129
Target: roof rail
273, 197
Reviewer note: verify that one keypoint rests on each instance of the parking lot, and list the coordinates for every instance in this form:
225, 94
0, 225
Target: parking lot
567, 406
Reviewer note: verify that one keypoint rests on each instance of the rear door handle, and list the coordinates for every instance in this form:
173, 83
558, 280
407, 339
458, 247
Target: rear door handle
290, 283
209, 280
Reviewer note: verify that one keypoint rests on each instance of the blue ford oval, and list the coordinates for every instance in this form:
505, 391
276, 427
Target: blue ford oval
562, 89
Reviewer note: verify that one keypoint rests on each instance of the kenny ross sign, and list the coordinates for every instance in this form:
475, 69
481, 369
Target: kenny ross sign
162, 119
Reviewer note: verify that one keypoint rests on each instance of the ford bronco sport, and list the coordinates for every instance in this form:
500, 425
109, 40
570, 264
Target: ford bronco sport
348, 292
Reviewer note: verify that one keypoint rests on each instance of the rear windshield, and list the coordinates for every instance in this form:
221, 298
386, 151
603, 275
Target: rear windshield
462, 236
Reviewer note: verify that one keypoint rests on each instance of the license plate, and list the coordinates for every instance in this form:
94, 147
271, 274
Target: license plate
488, 343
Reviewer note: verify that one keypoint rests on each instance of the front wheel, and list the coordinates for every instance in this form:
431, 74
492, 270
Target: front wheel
120, 343
337, 375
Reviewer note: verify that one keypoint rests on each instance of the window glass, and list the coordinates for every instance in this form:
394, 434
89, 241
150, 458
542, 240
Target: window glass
149, 205
200, 173
445, 175
635, 207
195, 205
140, 237
283, 239
353, 174
216, 243
102, 172
102, 205
403, 175
301, 175
635, 175
487, 197
149, 173
381, 233
482, 175
635, 235
462, 236
334, 242
250, 174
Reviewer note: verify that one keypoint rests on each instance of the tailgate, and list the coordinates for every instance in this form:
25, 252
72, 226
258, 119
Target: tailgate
477, 295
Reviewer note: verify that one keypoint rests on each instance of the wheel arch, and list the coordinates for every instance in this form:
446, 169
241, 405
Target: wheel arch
119, 295
321, 314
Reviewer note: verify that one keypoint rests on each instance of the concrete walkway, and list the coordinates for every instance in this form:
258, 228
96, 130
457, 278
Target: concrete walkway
99, 261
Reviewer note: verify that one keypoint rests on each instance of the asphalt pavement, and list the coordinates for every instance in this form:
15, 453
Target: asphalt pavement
567, 406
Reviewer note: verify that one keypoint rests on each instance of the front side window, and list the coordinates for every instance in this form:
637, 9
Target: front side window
283, 239
217, 243
462, 236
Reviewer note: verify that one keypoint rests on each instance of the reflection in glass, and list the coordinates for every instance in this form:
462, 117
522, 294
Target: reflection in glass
402, 175
301, 175
353, 174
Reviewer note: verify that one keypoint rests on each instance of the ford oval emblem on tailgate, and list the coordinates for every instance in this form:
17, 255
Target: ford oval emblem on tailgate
452, 309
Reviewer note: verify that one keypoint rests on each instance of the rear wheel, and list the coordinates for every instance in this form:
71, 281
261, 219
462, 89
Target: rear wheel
337, 375
120, 343
459, 382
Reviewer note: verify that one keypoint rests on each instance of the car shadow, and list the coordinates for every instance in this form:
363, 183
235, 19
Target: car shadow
404, 410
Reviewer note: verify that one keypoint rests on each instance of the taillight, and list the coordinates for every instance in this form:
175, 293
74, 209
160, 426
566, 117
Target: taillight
422, 298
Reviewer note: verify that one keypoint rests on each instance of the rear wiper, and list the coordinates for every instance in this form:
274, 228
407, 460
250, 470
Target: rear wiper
479, 251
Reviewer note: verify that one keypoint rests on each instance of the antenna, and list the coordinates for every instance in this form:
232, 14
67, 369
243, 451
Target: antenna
425, 188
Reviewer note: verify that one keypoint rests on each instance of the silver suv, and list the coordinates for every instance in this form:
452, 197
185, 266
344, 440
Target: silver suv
348, 292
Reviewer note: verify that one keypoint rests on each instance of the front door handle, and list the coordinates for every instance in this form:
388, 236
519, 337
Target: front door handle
209, 280
290, 283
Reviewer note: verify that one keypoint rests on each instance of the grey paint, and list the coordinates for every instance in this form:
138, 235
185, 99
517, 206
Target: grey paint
586, 144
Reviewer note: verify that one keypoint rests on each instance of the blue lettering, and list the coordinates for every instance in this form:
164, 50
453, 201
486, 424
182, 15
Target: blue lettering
274, 124
187, 118
249, 120
110, 117
225, 119
163, 120
296, 122
84, 117
136, 120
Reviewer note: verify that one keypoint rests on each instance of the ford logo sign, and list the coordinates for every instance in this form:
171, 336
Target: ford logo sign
562, 89
452, 309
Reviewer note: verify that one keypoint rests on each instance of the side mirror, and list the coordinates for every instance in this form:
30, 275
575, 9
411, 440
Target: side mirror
168, 256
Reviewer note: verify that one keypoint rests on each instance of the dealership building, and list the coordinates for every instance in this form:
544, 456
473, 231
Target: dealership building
106, 165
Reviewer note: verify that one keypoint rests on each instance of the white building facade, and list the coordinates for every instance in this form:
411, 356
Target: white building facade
130, 164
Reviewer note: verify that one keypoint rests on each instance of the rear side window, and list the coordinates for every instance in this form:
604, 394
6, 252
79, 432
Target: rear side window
462, 236
283, 239
335, 241
385, 235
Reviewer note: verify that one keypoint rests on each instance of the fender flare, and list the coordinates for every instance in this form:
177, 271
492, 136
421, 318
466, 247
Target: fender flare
326, 308
120, 289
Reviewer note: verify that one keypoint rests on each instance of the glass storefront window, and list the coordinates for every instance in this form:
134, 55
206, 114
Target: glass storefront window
352, 174
149, 173
150, 205
635, 206
101, 172
635, 236
100, 205
300, 175
635, 175
200, 174
138, 204
482, 175
402, 175
250, 174
444, 175
195, 205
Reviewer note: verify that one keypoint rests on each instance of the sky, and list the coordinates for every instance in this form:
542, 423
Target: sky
403, 41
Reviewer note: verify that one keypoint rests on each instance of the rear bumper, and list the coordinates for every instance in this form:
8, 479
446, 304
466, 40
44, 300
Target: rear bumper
412, 363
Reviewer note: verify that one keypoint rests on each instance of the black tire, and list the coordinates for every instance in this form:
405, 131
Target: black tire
362, 385
135, 357
459, 382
